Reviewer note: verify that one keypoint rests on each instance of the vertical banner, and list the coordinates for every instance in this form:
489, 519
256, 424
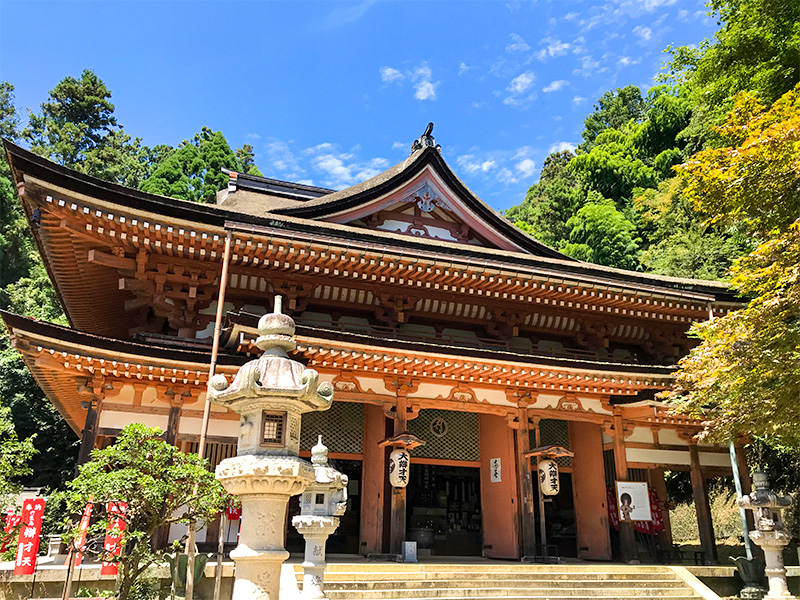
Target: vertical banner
28, 545
11, 522
80, 542
114, 532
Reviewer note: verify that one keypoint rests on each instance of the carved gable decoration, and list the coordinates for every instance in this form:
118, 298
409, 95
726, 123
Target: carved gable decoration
426, 207
461, 393
349, 385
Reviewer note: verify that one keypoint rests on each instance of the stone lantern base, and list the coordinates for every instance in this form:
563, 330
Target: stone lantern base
315, 530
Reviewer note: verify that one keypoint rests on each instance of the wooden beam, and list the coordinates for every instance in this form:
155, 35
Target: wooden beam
89, 435
702, 508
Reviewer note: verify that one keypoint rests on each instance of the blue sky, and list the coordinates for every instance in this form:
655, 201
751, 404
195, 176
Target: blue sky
331, 93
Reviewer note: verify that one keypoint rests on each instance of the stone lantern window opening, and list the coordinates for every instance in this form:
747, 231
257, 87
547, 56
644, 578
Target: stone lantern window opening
273, 429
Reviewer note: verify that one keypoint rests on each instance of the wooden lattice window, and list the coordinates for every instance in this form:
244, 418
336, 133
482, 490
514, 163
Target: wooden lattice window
273, 429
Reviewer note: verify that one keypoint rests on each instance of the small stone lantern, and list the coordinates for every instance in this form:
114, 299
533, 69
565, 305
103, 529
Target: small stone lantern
323, 502
769, 534
270, 393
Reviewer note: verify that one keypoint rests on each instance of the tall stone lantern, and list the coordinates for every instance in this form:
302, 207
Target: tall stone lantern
270, 393
769, 534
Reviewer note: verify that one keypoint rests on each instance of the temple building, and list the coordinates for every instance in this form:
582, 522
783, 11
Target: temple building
430, 314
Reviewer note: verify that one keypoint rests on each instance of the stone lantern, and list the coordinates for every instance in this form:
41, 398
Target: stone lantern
769, 534
323, 502
270, 393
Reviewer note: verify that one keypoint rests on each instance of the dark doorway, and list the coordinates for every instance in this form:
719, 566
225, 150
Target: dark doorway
346, 538
444, 510
560, 524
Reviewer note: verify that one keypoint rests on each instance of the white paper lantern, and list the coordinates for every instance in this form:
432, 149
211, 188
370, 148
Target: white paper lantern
548, 477
399, 465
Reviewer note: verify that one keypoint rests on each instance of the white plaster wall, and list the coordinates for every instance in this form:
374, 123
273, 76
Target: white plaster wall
113, 419
675, 457
224, 428
593, 405
546, 401
497, 397
643, 435
670, 437
432, 390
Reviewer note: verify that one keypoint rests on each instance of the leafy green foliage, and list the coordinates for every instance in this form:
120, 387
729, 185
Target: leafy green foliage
601, 234
194, 171
246, 157
161, 486
14, 457
614, 110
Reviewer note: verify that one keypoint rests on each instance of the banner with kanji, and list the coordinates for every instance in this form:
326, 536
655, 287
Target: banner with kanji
114, 532
11, 522
28, 544
80, 541
233, 511
611, 503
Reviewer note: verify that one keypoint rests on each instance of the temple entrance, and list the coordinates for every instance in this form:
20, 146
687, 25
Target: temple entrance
444, 510
560, 523
346, 538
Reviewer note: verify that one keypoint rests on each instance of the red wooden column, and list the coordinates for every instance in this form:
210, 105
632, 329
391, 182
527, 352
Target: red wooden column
526, 508
589, 489
498, 488
373, 480
626, 536
701, 506
659, 485
94, 388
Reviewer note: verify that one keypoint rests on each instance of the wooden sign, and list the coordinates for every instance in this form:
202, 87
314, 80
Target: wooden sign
495, 473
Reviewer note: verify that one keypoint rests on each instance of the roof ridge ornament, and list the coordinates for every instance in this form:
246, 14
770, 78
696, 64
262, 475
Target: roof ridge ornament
426, 140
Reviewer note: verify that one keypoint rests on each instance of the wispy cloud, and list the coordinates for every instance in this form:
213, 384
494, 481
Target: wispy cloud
283, 161
589, 66
627, 61
578, 100
552, 47
520, 90
651, 5
400, 146
343, 169
501, 166
421, 76
464, 68
390, 75
554, 86
561, 146
643, 33
348, 13
517, 44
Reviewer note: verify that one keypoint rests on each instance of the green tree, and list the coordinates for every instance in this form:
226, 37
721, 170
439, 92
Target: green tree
757, 49
745, 374
614, 110
247, 158
599, 233
194, 170
158, 483
14, 457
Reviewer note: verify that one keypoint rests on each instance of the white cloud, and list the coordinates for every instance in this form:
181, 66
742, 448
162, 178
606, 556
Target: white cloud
644, 33
519, 88
464, 68
683, 16
627, 61
555, 86
588, 67
578, 100
650, 5
424, 88
517, 44
253, 136
526, 167
400, 146
571, 16
553, 47
342, 169
390, 75
561, 146
283, 161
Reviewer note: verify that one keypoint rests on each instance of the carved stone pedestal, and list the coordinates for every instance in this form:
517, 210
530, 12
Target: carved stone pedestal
773, 543
315, 531
264, 485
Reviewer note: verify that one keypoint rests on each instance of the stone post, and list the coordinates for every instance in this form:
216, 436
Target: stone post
270, 393
769, 534
324, 501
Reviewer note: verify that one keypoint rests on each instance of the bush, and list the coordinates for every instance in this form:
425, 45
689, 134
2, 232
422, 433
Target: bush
724, 516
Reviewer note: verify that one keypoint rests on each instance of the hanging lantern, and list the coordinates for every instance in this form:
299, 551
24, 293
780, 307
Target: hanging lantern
548, 477
399, 463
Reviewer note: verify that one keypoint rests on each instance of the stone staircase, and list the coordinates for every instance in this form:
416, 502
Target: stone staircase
507, 581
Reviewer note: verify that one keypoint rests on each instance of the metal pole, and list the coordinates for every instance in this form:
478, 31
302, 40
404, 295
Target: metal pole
748, 545
223, 521
201, 447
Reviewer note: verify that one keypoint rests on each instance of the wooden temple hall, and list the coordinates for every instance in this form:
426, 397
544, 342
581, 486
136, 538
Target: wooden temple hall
431, 315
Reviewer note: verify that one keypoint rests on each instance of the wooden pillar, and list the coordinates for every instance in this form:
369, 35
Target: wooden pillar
373, 478
397, 525
589, 489
526, 510
627, 538
701, 507
174, 419
89, 435
499, 503
659, 485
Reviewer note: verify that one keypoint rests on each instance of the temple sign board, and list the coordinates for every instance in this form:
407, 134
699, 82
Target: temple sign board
633, 501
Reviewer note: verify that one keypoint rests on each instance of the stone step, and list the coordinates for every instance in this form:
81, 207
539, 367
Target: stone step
551, 595
502, 583
494, 568
505, 592
473, 575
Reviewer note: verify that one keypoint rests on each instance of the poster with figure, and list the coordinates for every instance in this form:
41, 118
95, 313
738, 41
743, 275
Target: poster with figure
633, 501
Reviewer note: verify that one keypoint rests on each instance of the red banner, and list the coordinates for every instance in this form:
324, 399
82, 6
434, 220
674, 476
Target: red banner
80, 542
611, 502
28, 544
114, 532
234, 513
11, 522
